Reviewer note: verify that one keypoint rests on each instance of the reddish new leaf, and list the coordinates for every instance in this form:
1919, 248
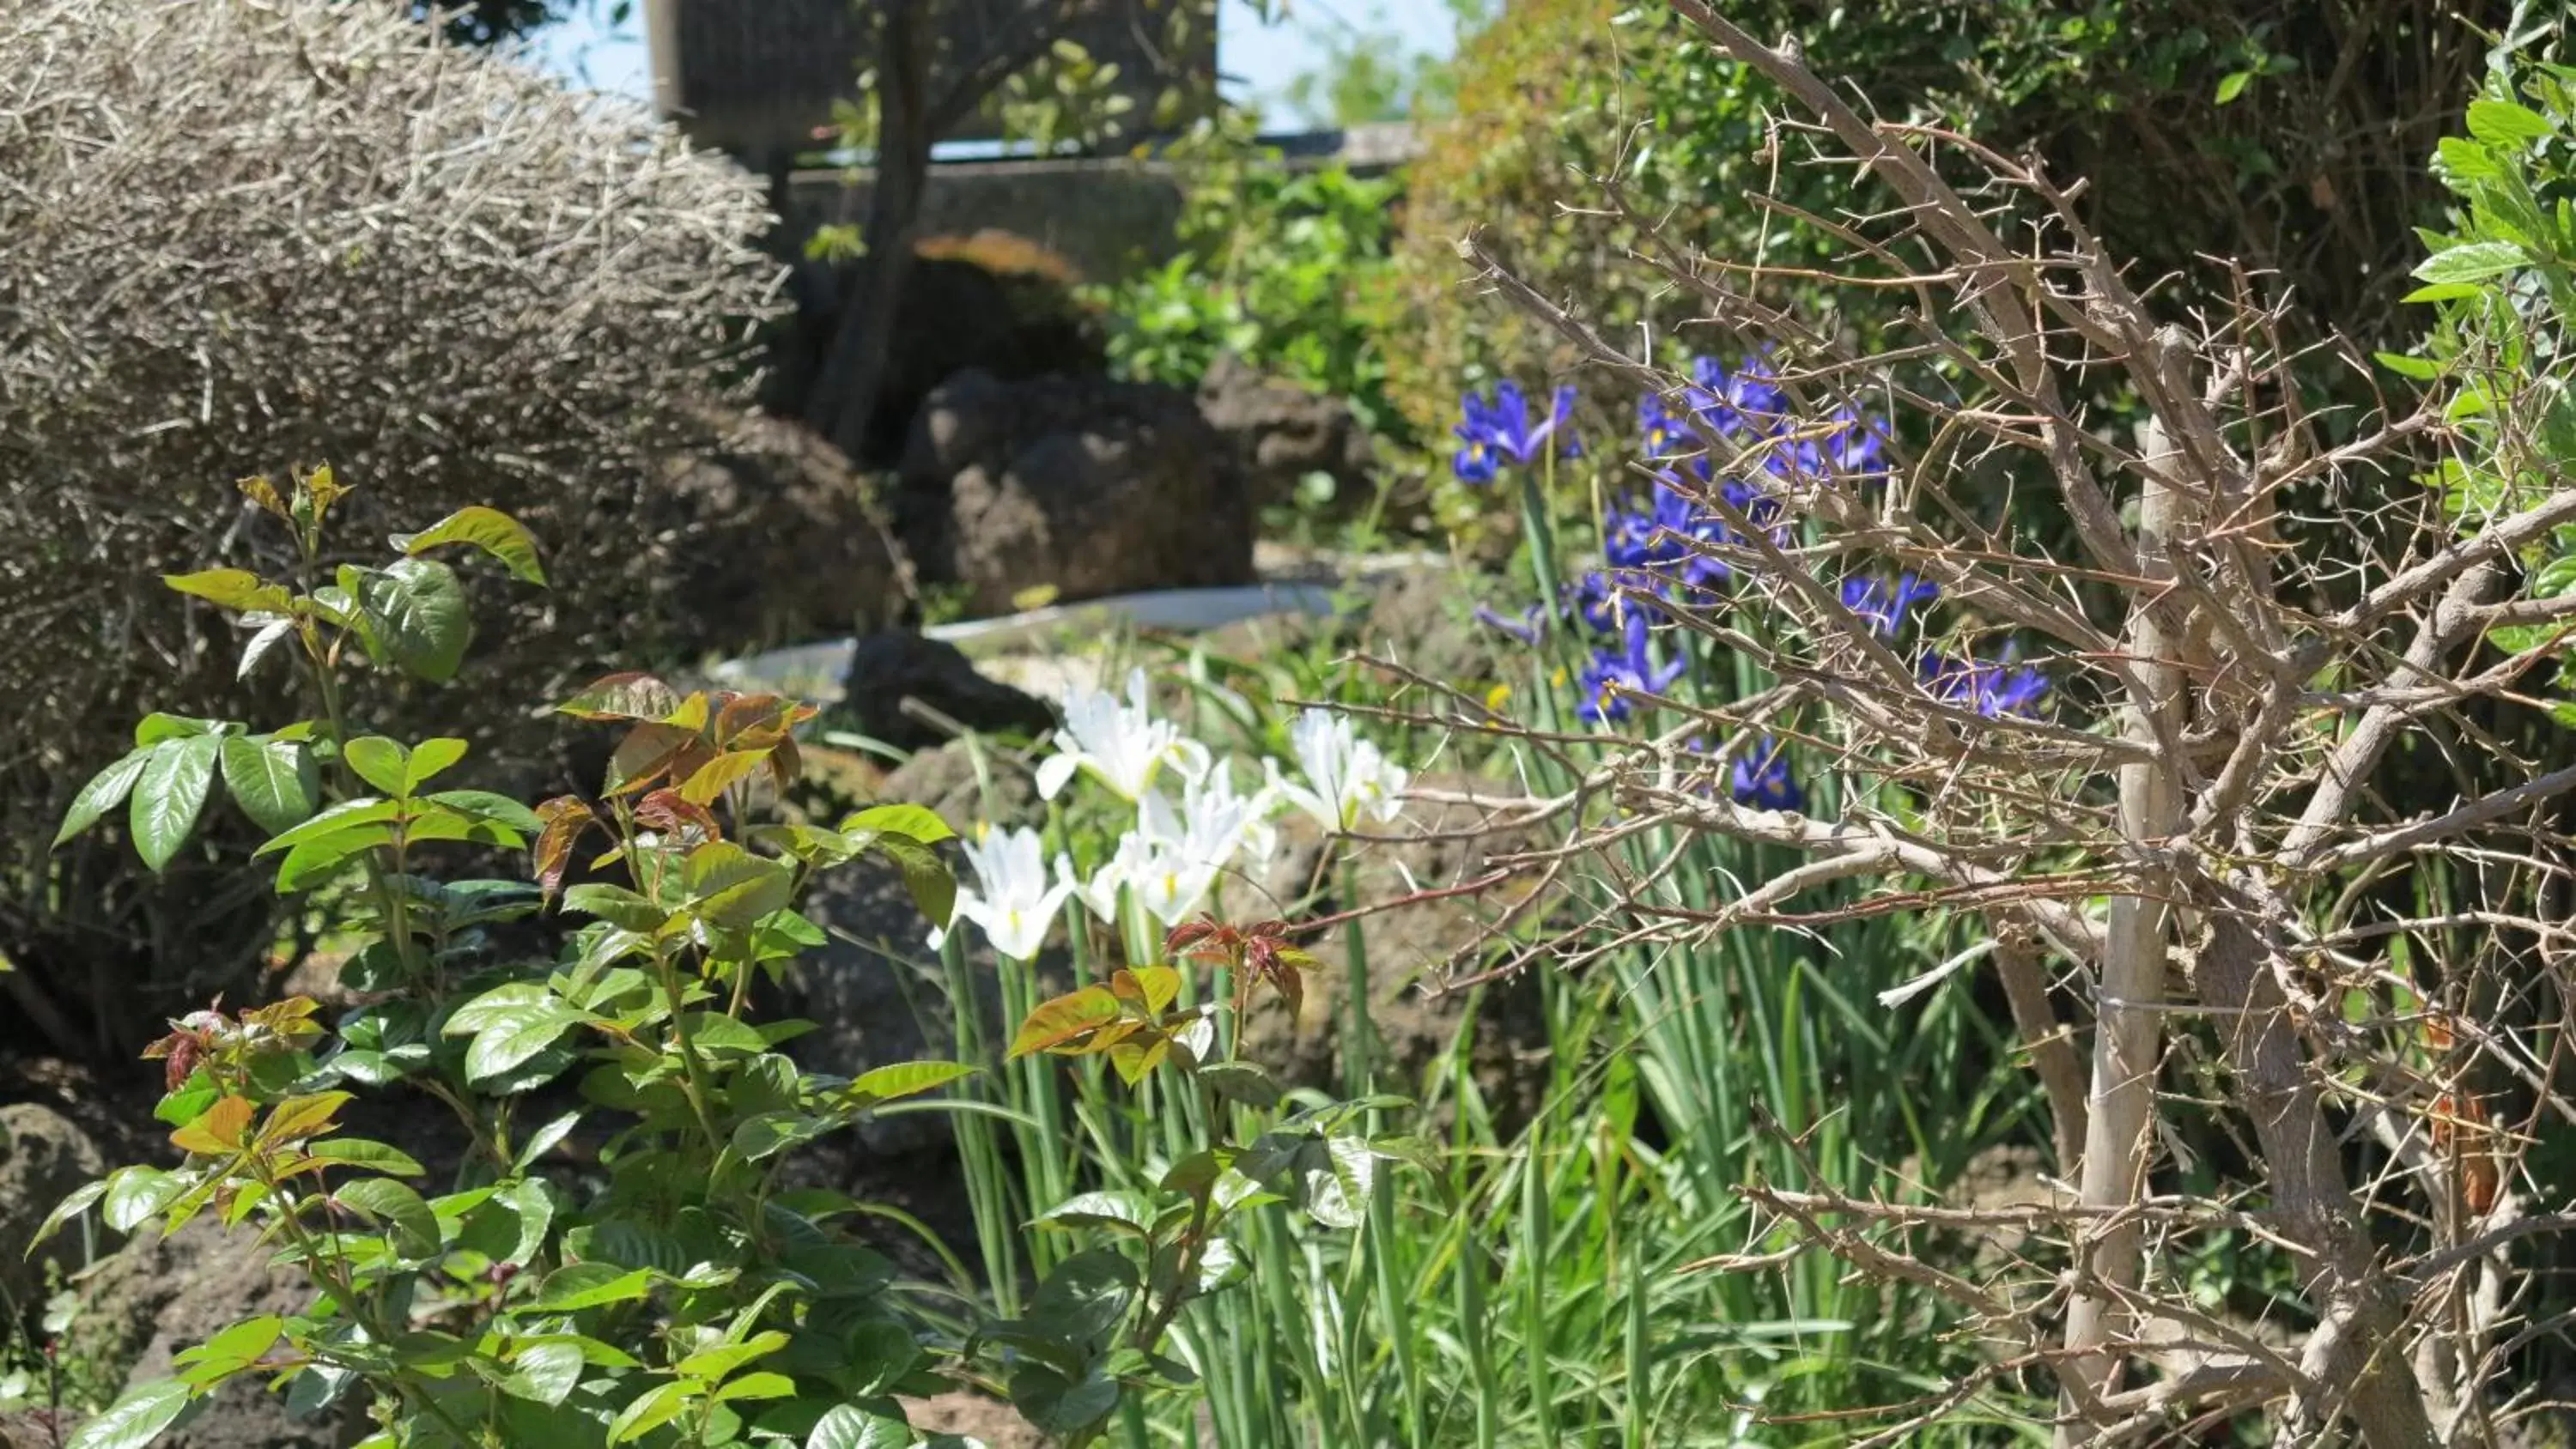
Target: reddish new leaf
566, 818
1065, 1019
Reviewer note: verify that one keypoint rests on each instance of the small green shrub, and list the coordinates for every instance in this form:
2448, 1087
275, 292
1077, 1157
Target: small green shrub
633, 1265
1285, 268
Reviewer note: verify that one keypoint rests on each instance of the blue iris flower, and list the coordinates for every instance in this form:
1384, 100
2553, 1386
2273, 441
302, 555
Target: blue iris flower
1885, 607
1493, 432
1662, 433
1597, 601
1742, 403
1762, 779
1855, 446
1630, 669
1993, 688
1474, 461
1528, 628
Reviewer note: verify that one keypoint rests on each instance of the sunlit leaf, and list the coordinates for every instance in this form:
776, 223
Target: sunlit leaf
137, 1418
105, 791
709, 781
631, 696
170, 794
489, 529
913, 822
906, 1079
239, 590
1064, 1019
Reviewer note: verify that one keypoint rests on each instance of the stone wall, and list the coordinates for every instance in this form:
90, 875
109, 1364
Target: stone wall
1108, 216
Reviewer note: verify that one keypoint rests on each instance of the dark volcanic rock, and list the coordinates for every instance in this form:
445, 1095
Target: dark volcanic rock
890, 668
1077, 486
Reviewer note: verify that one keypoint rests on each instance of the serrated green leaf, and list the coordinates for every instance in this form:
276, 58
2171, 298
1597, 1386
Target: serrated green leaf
315, 861
515, 1035
489, 805
1240, 1081
591, 1285
170, 794
489, 529
770, 1133
2444, 292
2471, 262
105, 791
138, 1417
657, 1407
429, 759
545, 1372
2506, 123
417, 612
616, 905
155, 727
267, 637
2418, 368
71, 1206
231, 1350
536, 1213
755, 1386
543, 1140
913, 822
277, 783
134, 1194
366, 810
239, 590
2466, 160
404, 1212
905, 1079
361, 1152
846, 1426
717, 1362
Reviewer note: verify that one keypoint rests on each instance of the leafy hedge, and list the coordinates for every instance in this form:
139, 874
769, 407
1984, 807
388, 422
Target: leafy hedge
2289, 134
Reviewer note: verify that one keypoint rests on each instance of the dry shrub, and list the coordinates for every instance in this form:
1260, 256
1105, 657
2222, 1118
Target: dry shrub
249, 235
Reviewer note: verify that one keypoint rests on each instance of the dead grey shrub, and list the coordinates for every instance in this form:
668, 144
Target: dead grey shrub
243, 236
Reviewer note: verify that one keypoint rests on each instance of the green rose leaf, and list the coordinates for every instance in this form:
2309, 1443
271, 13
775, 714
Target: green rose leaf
416, 612
169, 795
105, 791
277, 783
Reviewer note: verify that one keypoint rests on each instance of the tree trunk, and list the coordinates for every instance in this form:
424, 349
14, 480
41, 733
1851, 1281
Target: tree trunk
2128, 1031
2356, 1360
843, 402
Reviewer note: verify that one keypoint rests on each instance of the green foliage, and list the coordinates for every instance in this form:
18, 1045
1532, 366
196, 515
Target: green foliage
2200, 130
2503, 280
1284, 268
1366, 74
664, 1284
1066, 101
